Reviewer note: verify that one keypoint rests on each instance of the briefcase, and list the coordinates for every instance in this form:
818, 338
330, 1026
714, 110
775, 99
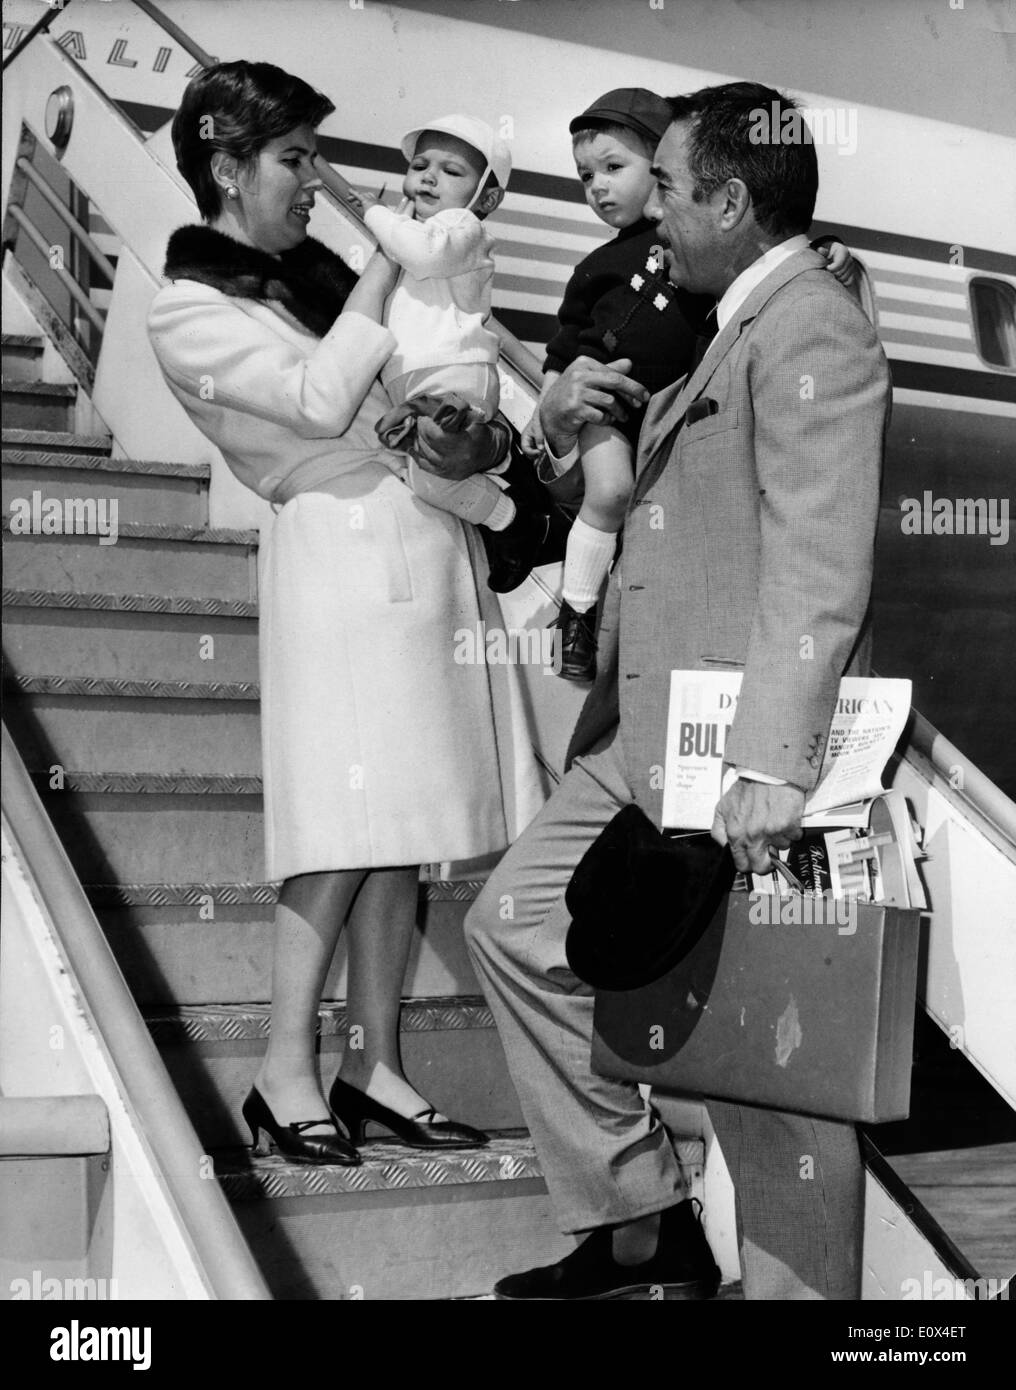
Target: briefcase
801, 1004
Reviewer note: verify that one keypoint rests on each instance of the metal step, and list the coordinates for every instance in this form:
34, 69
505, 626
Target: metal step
208, 943
145, 492
56, 441
405, 1225
37, 405
164, 560
21, 355
450, 1048
56, 633
153, 827
162, 726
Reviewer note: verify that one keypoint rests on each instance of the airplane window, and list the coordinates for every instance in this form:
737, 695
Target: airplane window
994, 310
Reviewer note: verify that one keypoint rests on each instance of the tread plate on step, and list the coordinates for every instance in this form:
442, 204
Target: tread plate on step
15, 386
387, 1167
130, 603
103, 463
57, 439
244, 1022
180, 894
183, 784
236, 894
133, 689
159, 531
459, 890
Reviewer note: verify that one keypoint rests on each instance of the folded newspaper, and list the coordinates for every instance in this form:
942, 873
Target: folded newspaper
867, 722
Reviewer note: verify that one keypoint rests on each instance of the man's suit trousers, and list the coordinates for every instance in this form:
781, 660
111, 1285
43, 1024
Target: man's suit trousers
604, 1152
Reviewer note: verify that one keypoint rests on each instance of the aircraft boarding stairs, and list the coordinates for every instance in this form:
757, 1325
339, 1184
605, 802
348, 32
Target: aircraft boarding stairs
137, 922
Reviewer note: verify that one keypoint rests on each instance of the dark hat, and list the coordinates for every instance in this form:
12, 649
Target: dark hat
644, 112
640, 901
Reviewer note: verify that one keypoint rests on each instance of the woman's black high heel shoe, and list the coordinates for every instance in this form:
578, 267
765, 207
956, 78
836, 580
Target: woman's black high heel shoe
354, 1109
291, 1141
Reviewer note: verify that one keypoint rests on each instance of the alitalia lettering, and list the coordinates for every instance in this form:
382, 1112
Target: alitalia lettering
119, 56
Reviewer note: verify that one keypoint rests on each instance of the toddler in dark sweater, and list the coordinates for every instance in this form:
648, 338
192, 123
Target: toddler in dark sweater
619, 303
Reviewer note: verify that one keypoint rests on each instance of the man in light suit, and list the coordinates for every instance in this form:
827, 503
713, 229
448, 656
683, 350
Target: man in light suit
748, 545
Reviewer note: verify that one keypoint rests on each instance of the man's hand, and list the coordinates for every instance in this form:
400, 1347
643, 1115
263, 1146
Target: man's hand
754, 815
587, 393
456, 455
531, 441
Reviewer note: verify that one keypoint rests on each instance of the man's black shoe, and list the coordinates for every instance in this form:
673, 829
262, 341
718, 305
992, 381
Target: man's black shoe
682, 1268
578, 642
512, 553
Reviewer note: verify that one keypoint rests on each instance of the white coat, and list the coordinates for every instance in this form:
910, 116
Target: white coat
379, 747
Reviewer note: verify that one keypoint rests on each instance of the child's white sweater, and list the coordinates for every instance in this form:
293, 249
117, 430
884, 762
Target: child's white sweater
441, 303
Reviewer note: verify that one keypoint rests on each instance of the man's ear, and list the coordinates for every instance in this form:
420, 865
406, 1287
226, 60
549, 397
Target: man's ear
736, 203
224, 168
488, 201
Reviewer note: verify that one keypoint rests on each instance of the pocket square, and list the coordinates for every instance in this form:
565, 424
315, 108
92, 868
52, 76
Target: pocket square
700, 409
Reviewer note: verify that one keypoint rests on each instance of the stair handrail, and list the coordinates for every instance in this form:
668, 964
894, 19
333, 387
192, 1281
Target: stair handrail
205, 1214
965, 780
91, 313
77, 230
41, 26
175, 32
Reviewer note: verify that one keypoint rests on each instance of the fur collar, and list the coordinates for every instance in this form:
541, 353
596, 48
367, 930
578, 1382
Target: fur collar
309, 281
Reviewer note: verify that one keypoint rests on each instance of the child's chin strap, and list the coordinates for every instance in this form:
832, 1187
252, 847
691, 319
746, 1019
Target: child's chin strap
480, 187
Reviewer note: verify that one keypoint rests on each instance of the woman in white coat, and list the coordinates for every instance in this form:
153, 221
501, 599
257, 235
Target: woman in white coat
379, 748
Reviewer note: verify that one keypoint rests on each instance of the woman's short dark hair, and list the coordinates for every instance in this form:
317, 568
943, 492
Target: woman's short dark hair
238, 107
749, 132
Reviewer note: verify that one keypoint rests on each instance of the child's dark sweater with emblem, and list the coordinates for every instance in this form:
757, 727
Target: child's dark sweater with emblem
619, 303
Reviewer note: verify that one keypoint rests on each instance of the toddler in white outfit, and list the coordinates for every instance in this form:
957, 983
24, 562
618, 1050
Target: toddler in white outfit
439, 311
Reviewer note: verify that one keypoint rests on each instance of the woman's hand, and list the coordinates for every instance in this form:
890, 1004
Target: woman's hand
368, 295
587, 392
381, 273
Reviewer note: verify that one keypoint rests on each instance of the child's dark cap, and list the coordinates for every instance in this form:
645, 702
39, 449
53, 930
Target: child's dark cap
632, 107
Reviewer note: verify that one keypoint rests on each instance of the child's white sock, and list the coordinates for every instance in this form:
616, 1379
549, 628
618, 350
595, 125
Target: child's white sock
503, 514
586, 562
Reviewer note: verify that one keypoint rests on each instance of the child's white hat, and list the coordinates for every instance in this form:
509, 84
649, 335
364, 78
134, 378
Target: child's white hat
473, 132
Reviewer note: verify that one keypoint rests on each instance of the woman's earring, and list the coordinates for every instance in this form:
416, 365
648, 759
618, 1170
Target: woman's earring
232, 191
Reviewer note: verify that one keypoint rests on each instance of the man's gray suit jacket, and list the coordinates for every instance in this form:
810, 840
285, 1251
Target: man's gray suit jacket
750, 537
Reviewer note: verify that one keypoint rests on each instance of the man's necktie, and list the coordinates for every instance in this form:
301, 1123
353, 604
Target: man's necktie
703, 340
